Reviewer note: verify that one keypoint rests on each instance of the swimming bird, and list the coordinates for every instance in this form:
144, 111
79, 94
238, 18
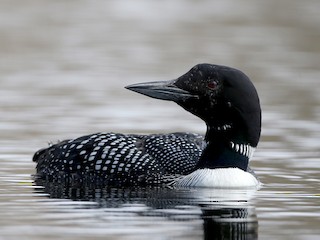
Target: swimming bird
223, 97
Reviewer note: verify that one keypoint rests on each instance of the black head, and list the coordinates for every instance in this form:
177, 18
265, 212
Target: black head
223, 97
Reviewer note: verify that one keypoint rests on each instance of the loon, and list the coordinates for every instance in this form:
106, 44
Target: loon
223, 97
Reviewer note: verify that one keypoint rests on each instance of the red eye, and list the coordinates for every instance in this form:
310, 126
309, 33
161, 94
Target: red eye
212, 85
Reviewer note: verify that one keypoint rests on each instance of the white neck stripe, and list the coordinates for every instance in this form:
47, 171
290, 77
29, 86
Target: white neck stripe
243, 149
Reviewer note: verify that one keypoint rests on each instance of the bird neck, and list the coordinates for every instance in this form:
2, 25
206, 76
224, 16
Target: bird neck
224, 150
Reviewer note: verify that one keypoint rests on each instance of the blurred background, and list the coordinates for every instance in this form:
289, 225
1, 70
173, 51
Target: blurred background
64, 65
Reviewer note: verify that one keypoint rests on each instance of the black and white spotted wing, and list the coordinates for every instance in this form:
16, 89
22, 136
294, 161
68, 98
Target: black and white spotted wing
177, 153
119, 159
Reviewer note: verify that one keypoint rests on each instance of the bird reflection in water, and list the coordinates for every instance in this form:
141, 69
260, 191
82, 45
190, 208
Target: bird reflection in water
230, 223
225, 213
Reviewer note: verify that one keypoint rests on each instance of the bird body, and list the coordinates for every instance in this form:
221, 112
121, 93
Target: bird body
218, 178
121, 160
223, 97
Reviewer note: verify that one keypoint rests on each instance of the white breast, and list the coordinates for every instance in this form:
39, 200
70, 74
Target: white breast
218, 178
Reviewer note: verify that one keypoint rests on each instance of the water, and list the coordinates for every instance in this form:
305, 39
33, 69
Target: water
63, 68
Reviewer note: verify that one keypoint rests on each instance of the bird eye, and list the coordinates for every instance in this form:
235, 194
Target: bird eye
212, 85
